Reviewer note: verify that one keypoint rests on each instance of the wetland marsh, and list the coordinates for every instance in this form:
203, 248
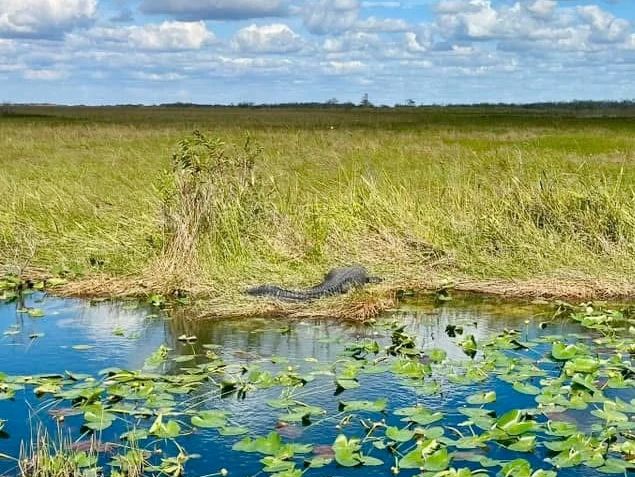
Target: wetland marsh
158, 217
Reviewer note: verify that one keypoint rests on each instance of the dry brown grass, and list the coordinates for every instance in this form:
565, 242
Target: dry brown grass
357, 306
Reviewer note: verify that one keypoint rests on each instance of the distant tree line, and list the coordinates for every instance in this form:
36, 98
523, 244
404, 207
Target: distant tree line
409, 103
7, 108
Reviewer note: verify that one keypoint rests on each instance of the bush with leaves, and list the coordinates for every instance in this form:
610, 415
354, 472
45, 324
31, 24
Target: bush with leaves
211, 192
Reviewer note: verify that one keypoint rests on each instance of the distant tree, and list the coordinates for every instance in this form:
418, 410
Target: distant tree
332, 101
411, 103
365, 101
6, 109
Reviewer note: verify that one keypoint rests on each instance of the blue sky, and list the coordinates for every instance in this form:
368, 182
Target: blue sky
230, 51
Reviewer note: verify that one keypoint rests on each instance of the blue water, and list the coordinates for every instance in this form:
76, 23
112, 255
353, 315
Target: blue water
68, 323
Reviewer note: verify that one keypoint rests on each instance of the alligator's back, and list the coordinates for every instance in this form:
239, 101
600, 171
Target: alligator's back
275, 291
337, 281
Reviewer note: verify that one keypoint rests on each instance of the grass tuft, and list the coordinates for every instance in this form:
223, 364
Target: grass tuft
211, 194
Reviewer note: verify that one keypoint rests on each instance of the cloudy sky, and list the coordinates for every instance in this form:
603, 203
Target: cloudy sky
229, 51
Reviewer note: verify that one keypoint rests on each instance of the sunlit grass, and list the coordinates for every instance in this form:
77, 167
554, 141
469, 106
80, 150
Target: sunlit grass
410, 194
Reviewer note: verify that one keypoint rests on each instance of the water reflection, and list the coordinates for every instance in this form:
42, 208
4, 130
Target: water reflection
124, 334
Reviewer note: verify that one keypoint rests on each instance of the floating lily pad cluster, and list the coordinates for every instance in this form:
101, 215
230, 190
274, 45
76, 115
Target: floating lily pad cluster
580, 385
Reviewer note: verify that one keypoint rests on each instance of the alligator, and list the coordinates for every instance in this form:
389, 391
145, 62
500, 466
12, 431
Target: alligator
337, 281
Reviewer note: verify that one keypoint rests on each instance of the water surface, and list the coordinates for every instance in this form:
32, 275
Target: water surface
84, 337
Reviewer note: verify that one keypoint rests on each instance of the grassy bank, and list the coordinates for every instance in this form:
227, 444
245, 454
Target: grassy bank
491, 199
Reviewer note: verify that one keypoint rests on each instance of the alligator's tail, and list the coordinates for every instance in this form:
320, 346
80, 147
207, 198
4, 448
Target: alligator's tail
278, 292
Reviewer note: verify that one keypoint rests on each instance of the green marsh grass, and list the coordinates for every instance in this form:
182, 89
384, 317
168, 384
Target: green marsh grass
61, 456
417, 195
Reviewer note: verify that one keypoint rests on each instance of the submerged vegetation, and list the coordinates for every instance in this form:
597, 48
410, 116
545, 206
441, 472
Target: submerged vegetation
520, 201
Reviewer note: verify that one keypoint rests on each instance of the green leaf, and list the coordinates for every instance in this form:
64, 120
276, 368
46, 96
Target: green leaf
436, 355
399, 435
482, 398
347, 451
516, 468
371, 461
526, 388
514, 423
523, 444
581, 365
469, 346
347, 383
271, 444
168, 430
562, 352
210, 419
419, 415
440, 460
97, 418
544, 473
416, 458
615, 466
276, 464
370, 406
233, 431
318, 461
280, 403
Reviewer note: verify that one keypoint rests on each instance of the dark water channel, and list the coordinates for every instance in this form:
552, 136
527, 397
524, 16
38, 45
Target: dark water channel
84, 338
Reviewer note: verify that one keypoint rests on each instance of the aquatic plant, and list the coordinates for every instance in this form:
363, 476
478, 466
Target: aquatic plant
575, 390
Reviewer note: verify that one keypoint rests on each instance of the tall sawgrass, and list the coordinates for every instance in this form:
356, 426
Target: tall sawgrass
410, 194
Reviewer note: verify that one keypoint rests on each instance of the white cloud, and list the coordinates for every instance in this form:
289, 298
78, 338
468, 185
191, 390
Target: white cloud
605, 27
390, 25
476, 19
253, 65
216, 9
542, 8
166, 36
344, 67
330, 16
381, 4
414, 44
6, 44
44, 18
171, 36
352, 41
275, 38
533, 26
145, 76
44, 74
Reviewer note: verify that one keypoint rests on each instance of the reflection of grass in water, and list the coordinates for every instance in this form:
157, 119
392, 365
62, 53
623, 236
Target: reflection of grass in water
384, 188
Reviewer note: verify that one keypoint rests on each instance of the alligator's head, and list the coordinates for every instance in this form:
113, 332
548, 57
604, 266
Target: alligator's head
259, 290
